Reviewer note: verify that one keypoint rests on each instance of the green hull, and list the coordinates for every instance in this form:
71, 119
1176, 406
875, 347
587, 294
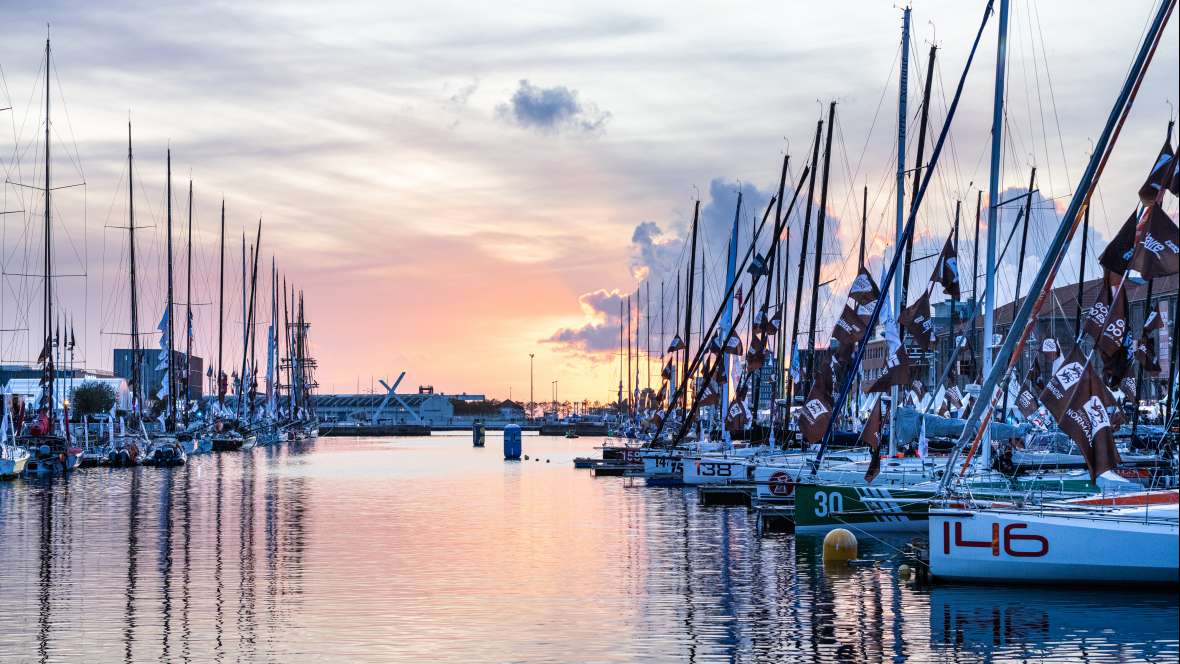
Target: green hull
822, 507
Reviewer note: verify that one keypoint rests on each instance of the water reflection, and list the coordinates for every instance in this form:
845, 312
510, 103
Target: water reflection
416, 550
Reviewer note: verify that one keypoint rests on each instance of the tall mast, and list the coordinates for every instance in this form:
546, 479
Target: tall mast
821, 217
903, 83
819, 127
992, 215
630, 405
922, 124
727, 305
975, 277
188, 302
48, 397
647, 330
136, 359
170, 418
1077, 317
221, 309
1020, 275
692, 266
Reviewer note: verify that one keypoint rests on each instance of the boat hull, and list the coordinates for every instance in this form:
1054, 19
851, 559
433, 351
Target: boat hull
822, 507
1027, 546
714, 470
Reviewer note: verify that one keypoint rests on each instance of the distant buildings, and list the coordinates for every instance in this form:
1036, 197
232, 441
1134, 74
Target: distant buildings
153, 378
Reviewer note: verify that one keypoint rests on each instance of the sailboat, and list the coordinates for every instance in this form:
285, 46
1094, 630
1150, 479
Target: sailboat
1120, 538
49, 451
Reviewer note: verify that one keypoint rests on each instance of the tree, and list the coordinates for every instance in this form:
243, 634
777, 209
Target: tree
92, 398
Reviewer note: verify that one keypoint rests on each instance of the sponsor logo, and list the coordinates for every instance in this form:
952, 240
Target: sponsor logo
780, 484
1068, 375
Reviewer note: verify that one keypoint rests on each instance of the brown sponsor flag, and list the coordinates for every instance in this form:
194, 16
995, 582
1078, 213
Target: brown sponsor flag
1026, 400
1059, 389
669, 371
817, 410
1145, 349
1114, 330
1118, 253
917, 321
1118, 366
848, 331
1087, 421
864, 290
946, 270
1157, 249
897, 372
872, 437
1160, 175
1096, 314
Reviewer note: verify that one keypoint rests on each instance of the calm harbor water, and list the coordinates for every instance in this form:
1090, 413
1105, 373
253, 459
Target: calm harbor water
426, 549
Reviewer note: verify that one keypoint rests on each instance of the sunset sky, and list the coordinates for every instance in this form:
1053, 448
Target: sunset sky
457, 185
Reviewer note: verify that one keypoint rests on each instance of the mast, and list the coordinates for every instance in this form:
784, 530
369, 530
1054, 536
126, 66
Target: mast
975, 427
170, 407
48, 398
922, 123
821, 217
864, 227
903, 82
1077, 317
630, 406
756, 392
692, 266
993, 216
221, 310
136, 351
188, 302
727, 316
647, 330
975, 276
1032, 179
622, 354
819, 127
248, 309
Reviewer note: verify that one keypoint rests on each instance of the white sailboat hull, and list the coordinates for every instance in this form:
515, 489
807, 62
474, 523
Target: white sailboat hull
1035, 546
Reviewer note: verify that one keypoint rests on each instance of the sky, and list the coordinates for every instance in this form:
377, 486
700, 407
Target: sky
455, 186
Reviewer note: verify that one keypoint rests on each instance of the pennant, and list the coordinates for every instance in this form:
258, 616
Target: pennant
1160, 174
1145, 349
897, 372
1114, 330
917, 321
669, 371
677, 344
872, 436
1117, 254
1026, 400
738, 416
849, 329
817, 410
864, 290
1096, 315
946, 270
733, 345
765, 323
758, 266
1059, 389
1086, 419
1157, 249
1117, 366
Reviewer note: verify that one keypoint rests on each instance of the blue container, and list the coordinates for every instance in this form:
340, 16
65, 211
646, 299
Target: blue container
477, 434
512, 443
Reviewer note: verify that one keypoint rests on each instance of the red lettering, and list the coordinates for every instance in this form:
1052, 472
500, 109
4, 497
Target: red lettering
1010, 536
993, 543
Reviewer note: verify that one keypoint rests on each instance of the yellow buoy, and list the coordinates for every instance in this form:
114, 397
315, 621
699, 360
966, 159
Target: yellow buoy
904, 572
839, 546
